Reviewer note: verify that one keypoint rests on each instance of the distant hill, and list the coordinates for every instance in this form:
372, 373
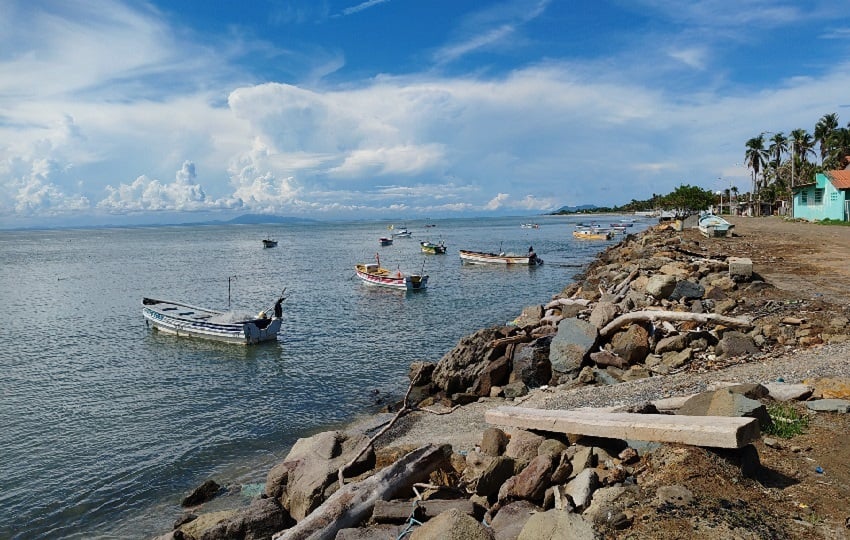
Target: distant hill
575, 209
261, 219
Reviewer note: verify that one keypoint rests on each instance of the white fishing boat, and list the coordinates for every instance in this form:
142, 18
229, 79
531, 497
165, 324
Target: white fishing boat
185, 320
480, 257
593, 234
712, 226
375, 274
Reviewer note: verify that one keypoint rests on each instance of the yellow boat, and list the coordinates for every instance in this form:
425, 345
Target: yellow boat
593, 234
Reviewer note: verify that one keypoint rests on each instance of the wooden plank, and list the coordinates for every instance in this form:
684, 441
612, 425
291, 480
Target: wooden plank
711, 431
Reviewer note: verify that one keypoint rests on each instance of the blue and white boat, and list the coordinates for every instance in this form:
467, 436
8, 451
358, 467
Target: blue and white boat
712, 226
184, 320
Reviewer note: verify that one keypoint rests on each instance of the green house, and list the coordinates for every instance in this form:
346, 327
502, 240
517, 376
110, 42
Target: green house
828, 197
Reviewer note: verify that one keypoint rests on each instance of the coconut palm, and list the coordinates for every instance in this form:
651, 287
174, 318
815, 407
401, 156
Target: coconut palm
839, 147
755, 158
778, 146
823, 131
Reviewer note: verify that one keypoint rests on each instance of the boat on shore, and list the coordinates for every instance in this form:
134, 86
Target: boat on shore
434, 248
713, 226
375, 274
184, 320
593, 234
480, 257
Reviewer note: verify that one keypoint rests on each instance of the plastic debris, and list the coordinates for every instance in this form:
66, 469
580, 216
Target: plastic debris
819, 469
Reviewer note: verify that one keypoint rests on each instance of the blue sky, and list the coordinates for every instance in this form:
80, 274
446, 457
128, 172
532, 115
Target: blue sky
130, 112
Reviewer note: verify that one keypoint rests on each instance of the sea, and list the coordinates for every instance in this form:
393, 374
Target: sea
106, 424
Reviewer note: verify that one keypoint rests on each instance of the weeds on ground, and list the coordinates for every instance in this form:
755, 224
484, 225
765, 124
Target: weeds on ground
786, 421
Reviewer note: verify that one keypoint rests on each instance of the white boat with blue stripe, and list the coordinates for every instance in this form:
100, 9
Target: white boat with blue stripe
237, 327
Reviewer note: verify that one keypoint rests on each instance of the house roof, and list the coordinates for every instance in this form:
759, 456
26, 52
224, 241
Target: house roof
839, 179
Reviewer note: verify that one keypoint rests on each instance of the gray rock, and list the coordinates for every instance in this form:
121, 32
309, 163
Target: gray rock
724, 402
829, 405
603, 313
201, 494
531, 362
523, 445
608, 504
581, 488
515, 389
671, 343
687, 289
512, 518
261, 519
457, 370
500, 469
557, 525
631, 345
788, 392
734, 344
571, 344
531, 483
660, 285
452, 525
493, 441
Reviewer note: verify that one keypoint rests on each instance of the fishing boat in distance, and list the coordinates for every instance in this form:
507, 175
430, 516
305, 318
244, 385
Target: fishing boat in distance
593, 234
375, 274
402, 233
480, 257
268, 242
384, 241
434, 248
184, 320
529, 225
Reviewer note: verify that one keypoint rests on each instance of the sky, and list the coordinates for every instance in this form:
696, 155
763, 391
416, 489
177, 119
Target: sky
172, 111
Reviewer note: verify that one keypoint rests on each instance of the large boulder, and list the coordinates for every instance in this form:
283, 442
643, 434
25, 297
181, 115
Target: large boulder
724, 402
557, 525
260, 520
632, 345
458, 369
309, 472
531, 363
734, 343
569, 347
452, 525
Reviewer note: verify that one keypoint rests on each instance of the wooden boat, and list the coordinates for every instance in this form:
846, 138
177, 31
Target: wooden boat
593, 234
480, 257
384, 241
374, 274
712, 226
433, 248
184, 320
269, 243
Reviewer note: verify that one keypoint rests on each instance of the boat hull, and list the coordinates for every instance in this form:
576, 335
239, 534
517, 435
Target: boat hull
478, 257
593, 235
393, 280
434, 249
183, 320
712, 226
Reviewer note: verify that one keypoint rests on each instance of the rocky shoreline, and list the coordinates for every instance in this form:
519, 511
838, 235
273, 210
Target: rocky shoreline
657, 324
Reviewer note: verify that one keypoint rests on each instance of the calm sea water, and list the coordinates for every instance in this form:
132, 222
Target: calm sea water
106, 424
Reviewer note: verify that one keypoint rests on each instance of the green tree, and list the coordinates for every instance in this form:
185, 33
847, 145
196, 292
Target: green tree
823, 131
755, 158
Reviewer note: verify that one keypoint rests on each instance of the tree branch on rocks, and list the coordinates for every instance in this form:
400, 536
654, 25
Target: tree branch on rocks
621, 289
638, 316
566, 302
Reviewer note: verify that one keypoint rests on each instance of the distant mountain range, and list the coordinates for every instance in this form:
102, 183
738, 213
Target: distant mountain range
262, 219
574, 209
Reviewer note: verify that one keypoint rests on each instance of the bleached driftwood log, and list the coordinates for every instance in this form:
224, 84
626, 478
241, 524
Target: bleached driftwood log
636, 316
557, 302
353, 503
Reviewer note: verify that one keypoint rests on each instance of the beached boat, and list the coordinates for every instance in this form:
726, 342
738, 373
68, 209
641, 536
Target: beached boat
712, 226
434, 248
269, 243
374, 274
384, 241
184, 320
593, 234
480, 257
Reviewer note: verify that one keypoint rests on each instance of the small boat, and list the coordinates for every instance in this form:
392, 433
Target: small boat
269, 243
712, 226
375, 274
184, 320
622, 224
402, 233
433, 248
480, 257
593, 234
384, 241
530, 226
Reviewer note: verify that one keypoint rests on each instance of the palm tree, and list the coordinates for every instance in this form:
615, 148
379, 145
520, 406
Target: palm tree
823, 131
802, 145
839, 148
778, 146
755, 157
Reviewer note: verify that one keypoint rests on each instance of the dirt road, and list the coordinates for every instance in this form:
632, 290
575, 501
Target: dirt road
806, 259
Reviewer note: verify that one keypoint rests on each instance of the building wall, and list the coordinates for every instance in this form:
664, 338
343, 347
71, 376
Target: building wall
831, 206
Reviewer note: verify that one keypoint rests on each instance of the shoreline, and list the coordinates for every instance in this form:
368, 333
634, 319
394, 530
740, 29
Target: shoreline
462, 428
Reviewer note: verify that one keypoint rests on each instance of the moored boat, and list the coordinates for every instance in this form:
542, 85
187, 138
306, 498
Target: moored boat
384, 241
375, 274
480, 257
530, 226
593, 234
402, 233
185, 320
269, 243
434, 248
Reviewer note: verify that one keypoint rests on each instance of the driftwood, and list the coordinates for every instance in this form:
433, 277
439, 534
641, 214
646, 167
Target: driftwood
518, 338
566, 302
648, 315
621, 289
353, 503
